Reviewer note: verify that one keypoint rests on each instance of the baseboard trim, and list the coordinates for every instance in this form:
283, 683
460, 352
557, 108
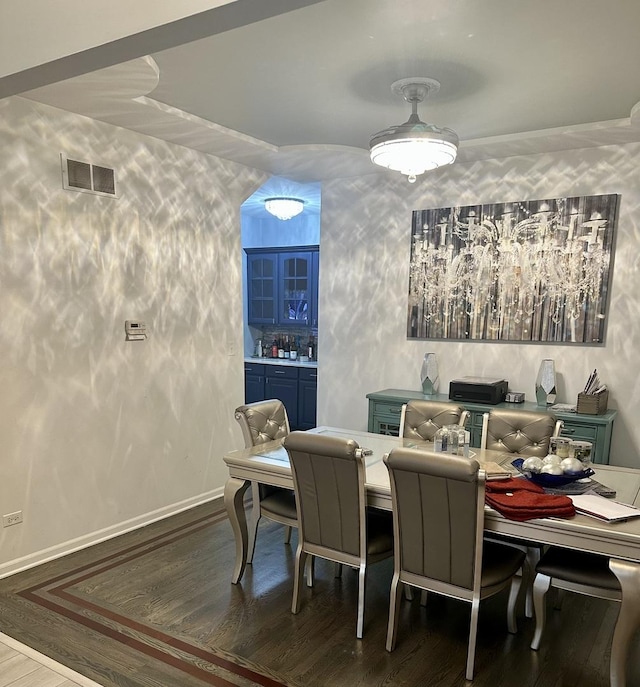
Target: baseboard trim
43, 556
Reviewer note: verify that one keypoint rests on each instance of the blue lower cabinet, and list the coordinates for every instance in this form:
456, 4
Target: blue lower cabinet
254, 379
295, 386
307, 398
282, 382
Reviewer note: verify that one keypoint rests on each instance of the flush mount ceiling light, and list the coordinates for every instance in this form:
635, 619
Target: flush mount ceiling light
414, 147
284, 208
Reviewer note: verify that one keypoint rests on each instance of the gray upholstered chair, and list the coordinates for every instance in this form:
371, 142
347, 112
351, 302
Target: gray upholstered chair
262, 422
518, 431
527, 434
420, 420
334, 521
438, 509
574, 571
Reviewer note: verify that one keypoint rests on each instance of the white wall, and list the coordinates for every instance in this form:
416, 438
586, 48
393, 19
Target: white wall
97, 434
364, 278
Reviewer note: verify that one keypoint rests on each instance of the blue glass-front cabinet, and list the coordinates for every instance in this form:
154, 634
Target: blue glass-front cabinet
283, 286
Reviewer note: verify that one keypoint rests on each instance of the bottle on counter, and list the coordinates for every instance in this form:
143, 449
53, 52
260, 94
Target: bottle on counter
280, 347
311, 348
274, 348
287, 348
293, 353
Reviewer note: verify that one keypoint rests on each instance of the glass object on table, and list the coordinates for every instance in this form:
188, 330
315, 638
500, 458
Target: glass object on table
429, 375
559, 446
546, 383
582, 451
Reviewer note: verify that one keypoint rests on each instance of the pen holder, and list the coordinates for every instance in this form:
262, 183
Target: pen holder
593, 404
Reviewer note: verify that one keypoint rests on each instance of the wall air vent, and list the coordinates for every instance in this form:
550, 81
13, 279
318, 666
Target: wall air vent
88, 178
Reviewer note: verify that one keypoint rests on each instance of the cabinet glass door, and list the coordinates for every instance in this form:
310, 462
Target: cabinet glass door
295, 288
261, 270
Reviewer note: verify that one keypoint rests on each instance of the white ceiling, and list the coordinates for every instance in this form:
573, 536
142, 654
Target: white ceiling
300, 94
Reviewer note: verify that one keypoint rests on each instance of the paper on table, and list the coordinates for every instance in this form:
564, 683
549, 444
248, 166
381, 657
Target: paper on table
605, 509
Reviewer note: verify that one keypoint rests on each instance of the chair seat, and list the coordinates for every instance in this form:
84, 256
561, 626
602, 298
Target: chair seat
379, 532
499, 563
281, 503
578, 567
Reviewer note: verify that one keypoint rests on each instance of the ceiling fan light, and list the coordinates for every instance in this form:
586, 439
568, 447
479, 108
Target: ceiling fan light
284, 208
414, 147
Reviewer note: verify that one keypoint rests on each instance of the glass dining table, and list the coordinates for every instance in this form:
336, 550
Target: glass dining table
269, 464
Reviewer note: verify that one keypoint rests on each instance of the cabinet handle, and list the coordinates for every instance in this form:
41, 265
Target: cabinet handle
568, 430
312, 376
278, 372
396, 411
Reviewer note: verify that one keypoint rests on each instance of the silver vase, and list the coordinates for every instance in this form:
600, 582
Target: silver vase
546, 383
429, 375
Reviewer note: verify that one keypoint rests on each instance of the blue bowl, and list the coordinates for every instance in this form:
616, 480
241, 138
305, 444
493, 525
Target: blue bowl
545, 480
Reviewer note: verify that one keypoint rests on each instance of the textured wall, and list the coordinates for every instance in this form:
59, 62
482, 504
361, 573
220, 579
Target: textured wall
363, 290
97, 433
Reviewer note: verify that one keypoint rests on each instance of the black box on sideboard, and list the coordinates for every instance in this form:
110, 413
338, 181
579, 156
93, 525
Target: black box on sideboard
593, 404
478, 390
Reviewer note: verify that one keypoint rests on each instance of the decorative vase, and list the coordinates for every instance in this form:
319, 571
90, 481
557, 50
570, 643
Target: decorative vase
546, 383
429, 375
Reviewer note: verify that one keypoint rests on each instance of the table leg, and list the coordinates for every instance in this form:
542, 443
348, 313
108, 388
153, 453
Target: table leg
628, 619
234, 491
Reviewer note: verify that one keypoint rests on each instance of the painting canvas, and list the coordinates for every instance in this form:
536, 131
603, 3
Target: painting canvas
535, 270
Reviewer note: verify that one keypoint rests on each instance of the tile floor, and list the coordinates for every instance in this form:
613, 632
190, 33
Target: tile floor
21, 666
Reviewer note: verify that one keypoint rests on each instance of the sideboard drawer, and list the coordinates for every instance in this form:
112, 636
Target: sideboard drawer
392, 409
581, 432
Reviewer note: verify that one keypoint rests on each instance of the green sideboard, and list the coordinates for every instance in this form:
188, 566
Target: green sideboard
385, 408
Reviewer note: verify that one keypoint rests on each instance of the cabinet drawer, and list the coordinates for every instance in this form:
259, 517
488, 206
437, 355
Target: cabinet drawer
582, 432
393, 409
281, 371
254, 368
308, 374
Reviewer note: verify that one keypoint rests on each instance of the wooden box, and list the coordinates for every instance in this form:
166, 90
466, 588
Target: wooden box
593, 404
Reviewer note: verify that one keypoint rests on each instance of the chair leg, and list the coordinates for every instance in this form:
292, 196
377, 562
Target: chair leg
558, 599
287, 534
540, 588
423, 597
301, 559
533, 558
473, 634
514, 591
408, 592
337, 570
311, 570
395, 597
362, 575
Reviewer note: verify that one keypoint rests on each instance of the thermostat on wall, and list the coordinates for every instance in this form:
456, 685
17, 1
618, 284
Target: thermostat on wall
135, 330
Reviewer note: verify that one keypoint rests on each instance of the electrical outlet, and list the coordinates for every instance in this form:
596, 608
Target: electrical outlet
12, 519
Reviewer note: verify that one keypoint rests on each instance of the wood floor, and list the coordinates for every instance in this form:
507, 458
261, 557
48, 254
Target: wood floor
155, 608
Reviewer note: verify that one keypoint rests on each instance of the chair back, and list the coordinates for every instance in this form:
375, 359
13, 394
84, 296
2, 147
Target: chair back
262, 421
517, 431
422, 419
328, 476
438, 507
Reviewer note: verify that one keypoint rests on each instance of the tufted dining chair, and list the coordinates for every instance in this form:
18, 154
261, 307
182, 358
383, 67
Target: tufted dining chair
525, 433
420, 419
516, 431
439, 545
334, 521
262, 422
579, 572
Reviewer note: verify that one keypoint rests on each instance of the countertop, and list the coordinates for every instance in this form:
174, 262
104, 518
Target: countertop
281, 361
